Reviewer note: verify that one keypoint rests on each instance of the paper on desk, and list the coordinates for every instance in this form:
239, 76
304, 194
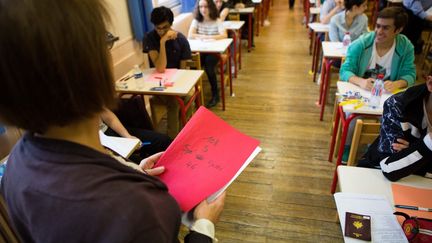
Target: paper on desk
123, 146
412, 196
384, 225
166, 76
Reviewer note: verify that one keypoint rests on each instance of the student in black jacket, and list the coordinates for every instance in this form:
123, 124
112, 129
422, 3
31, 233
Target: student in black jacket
404, 146
60, 184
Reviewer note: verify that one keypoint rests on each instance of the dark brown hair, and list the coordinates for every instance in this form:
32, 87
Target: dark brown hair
213, 12
55, 67
397, 13
349, 4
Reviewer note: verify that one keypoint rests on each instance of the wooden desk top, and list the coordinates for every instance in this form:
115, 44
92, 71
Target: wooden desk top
212, 46
184, 81
233, 25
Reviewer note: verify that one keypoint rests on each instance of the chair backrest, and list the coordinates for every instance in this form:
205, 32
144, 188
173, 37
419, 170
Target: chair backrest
194, 62
7, 233
182, 23
233, 17
365, 132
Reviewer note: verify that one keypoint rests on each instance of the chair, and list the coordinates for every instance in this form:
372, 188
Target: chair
365, 132
234, 17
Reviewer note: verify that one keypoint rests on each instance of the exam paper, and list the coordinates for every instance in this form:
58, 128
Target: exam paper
384, 225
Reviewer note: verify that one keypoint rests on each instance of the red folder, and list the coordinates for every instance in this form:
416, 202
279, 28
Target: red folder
205, 156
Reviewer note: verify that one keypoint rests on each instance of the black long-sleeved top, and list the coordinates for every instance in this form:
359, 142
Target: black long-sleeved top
59, 191
404, 117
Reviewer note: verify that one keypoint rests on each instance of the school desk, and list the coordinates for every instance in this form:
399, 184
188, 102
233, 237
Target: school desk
315, 44
331, 51
234, 27
216, 47
183, 82
354, 111
249, 11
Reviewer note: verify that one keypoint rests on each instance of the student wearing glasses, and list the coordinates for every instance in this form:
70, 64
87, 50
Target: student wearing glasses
60, 184
207, 26
167, 48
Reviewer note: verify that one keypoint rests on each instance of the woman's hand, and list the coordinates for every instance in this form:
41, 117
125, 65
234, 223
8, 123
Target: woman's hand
400, 145
147, 165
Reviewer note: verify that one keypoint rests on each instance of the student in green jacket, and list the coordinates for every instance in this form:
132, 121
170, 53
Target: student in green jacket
383, 51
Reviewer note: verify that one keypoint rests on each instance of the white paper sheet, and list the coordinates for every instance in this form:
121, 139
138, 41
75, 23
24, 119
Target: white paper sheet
384, 225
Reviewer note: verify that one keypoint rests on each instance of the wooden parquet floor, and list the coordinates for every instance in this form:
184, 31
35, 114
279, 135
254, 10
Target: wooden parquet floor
284, 195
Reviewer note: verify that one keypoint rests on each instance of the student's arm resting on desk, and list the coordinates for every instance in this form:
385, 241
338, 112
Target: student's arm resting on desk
408, 161
416, 7
349, 71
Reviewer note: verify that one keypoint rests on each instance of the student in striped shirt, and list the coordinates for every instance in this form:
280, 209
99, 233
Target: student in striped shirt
207, 26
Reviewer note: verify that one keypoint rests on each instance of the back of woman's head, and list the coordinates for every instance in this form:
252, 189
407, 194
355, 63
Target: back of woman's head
213, 12
55, 67
349, 4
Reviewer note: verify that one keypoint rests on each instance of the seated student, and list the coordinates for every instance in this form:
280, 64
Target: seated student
418, 20
330, 8
60, 184
167, 48
153, 142
352, 20
238, 4
222, 8
382, 51
404, 146
206, 25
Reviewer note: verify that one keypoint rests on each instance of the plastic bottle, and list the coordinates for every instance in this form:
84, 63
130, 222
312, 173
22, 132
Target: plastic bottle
137, 72
375, 99
346, 40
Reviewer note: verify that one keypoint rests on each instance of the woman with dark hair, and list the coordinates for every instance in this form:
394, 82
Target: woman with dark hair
222, 8
60, 184
352, 20
207, 26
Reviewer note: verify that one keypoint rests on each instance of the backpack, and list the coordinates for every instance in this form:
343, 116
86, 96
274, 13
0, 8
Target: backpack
417, 230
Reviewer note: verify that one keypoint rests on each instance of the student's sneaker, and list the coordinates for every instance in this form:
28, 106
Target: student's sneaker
267, 23
318, 80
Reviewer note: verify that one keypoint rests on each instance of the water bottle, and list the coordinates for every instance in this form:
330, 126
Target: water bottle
375, 99
137, 72
346, 40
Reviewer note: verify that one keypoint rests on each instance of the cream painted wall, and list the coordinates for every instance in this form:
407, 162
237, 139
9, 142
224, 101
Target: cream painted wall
126, 52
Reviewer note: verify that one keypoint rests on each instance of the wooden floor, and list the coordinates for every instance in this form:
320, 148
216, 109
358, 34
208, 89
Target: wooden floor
284, 195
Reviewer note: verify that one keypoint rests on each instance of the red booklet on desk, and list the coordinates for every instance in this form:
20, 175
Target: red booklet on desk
206, 156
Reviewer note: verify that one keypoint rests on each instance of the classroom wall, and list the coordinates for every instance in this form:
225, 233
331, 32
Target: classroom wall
126, 52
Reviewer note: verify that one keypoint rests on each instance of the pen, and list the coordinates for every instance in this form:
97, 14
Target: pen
414, 208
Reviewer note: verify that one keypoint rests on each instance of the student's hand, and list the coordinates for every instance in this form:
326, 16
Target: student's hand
401, 144
148, 163
169, 35
390, 86
366, 84
210, 211
239, 5
429, 18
